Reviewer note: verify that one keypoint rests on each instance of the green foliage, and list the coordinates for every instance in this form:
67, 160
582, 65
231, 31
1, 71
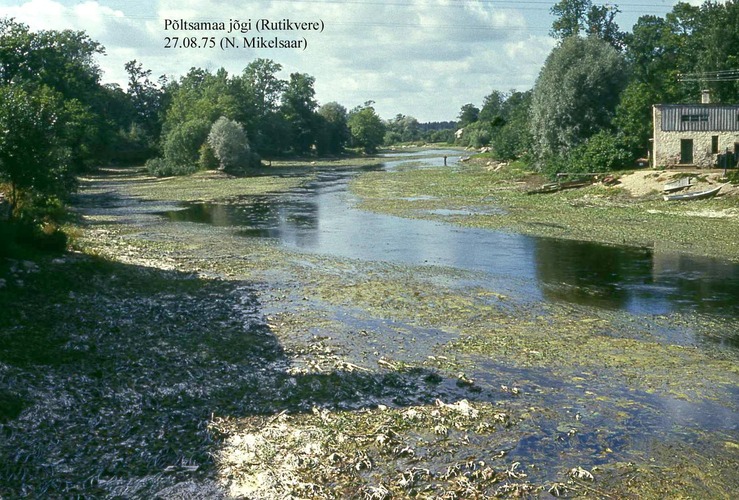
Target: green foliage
231, 147
576, 17
366, 127
182, 144
576, 94
299, 109
603, 152
207, 159
24, 237
163, 168
441, 136
264, 88
334, 130
633, 118
33, 156
402, 129
477, 134
147, 100
467, 115
513, 138
62, 61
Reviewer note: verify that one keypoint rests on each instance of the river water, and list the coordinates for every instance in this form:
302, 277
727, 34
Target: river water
320, 217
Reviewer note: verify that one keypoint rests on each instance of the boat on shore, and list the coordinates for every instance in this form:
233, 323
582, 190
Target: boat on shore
553, 187
678, 185
695, 195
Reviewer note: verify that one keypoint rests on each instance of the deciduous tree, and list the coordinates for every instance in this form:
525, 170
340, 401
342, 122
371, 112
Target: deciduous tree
576, 94
367, 129
33, 156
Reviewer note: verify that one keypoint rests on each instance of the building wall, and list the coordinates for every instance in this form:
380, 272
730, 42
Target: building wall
667, 143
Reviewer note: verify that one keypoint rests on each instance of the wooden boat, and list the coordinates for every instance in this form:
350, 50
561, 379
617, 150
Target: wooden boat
546, 188
553, 187
696, 195
678, 185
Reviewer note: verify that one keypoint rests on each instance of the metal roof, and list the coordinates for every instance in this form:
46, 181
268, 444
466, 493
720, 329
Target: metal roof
699, 117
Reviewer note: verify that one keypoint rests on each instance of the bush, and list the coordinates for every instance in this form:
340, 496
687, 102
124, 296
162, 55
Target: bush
476, 135
161, 167
182, 145
208, 160
230, 145
603, 152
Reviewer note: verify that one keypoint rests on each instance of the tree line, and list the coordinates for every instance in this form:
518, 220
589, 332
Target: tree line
591, 106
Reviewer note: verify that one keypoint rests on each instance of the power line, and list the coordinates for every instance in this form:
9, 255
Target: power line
727, 75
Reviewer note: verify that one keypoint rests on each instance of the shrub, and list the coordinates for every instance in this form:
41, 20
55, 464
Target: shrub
208, 160
182, 145
161, 167
230, 145
603, 152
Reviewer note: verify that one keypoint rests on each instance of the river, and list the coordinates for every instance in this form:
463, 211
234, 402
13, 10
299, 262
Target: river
321, 217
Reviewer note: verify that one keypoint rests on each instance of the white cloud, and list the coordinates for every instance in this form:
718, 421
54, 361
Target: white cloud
417, 57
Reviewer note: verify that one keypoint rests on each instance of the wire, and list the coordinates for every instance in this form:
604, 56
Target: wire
726, 75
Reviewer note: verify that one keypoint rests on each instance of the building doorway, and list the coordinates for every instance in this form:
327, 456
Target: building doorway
686, 151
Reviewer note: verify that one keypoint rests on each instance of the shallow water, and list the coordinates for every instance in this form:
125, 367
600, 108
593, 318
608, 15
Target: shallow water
320, 218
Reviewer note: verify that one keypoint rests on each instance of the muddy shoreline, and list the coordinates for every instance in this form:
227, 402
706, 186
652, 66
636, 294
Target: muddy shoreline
178, 359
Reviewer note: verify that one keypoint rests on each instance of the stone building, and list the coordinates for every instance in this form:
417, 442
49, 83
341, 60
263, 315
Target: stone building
700, 135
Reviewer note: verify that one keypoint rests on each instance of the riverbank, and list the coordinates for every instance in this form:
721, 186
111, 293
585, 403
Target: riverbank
178, 359
631, 212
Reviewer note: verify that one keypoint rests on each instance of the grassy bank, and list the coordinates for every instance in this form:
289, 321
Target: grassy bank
491, 199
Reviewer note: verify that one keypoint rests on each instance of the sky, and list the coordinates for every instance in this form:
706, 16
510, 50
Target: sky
420, 58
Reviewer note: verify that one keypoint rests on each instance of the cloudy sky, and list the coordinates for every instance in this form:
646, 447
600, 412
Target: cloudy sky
423, 58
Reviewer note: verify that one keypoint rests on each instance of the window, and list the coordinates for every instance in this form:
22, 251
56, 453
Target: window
714, 144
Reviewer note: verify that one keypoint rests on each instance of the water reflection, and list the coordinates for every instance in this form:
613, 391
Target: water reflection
635, 279
319, 217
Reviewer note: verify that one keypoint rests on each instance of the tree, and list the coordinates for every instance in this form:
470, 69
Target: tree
33, 157
182, 146
263, 85
202, 95
63, 61
715, 41
230, 145
492, 108
581, 17
147, 98
571, 16
633, 118
575, 94
299, 110
467, 115
402, 128
366, 127
513, 138
334, 130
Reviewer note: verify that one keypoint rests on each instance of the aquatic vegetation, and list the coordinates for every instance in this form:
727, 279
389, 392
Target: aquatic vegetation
183, 359
596, 213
